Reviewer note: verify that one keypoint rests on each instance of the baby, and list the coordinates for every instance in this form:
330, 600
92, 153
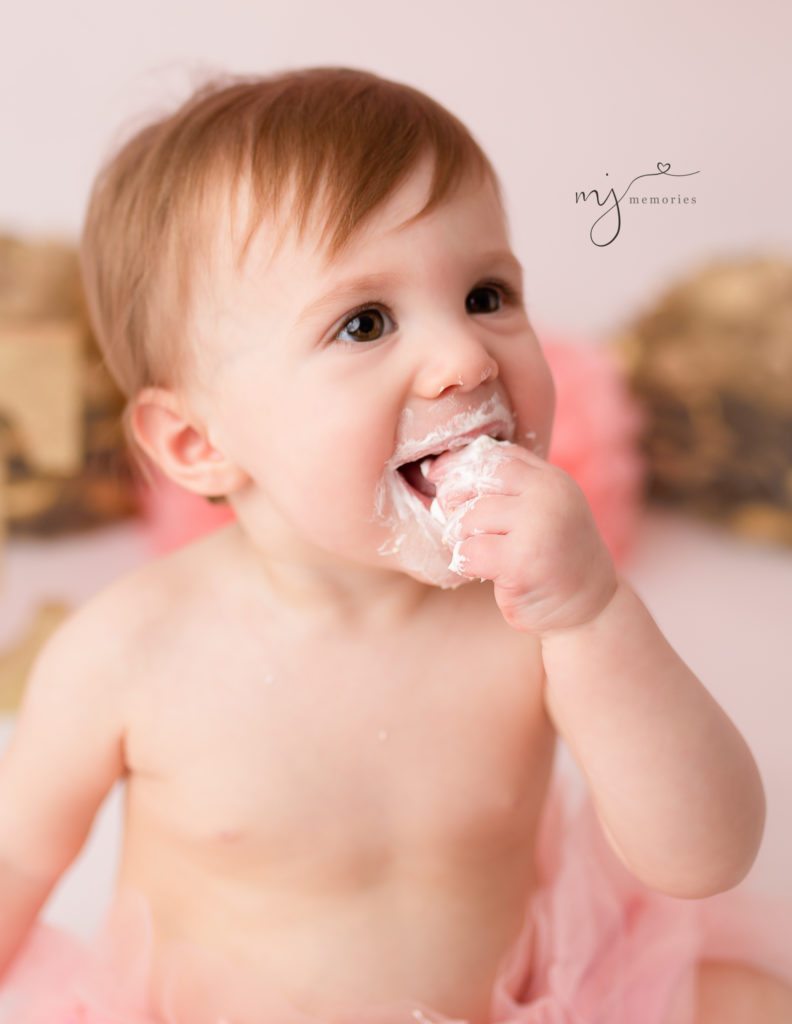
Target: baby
336, 717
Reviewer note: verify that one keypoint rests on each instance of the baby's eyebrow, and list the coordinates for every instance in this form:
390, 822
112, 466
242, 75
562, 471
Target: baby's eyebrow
505, 258
347, 291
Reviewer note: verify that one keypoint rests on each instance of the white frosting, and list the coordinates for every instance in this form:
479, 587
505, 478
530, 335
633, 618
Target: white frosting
474, 467
458, 560
419, 534
452, 434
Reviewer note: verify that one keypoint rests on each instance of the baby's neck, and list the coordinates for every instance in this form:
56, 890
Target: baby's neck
329, 593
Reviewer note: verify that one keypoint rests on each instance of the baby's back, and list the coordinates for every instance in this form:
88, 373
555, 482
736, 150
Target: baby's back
330, 811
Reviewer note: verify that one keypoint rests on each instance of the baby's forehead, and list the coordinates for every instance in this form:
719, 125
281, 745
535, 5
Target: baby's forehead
328, 214
259, 245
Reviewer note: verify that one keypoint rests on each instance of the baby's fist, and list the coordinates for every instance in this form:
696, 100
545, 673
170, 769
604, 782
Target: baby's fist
513, 518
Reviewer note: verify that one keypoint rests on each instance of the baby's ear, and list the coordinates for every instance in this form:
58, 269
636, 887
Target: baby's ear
176, 441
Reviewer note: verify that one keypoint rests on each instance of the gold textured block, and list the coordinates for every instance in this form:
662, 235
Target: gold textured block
62, 447
711, 363
40, 392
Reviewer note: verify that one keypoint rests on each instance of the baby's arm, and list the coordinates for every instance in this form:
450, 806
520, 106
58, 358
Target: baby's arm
673, 780
674, 783
64, 756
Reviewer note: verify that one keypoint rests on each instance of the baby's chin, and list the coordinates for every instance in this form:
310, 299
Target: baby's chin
415, 544
415, 509
416, 548
432, 567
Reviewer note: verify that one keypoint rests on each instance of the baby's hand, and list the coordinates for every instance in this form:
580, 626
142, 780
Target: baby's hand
515, 519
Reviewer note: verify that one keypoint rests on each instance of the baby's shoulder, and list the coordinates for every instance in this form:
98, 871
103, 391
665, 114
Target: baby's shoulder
102, 658
129, 617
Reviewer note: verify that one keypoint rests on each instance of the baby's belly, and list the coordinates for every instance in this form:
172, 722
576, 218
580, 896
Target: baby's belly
430, 930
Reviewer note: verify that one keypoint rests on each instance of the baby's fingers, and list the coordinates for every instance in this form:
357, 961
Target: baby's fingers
481, 533
479, 556
484, 513
506, 476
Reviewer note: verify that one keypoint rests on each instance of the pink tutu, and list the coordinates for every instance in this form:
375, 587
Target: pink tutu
597, 948
604, 949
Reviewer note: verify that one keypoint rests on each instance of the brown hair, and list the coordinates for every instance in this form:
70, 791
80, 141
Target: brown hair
338, 139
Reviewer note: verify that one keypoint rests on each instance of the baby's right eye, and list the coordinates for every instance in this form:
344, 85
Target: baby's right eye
364, 325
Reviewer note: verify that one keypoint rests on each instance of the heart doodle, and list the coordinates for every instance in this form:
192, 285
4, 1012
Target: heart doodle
663, 168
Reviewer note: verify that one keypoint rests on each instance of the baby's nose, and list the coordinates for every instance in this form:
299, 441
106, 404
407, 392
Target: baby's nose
459, 361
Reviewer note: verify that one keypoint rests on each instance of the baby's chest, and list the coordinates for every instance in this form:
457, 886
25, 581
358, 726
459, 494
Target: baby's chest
345, 766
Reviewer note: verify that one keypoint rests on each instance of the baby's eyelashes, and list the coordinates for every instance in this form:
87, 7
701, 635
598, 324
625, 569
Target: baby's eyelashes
367, 324
486, 298
492, 296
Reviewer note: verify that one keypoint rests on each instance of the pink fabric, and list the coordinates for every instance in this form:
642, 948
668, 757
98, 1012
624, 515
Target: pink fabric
598, 948
57, 979
605, 949
596, 437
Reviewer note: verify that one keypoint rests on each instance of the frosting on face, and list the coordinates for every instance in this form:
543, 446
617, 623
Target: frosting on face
474, 470
416, 521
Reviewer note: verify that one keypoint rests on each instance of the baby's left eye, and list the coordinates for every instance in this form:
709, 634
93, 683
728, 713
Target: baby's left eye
484, 299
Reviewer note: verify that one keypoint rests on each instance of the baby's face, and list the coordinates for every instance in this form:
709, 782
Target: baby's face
334, 377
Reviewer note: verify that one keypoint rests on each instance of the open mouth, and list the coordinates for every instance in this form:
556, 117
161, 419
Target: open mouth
414, 472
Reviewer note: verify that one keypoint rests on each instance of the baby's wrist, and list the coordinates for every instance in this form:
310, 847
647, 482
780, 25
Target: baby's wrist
590, 617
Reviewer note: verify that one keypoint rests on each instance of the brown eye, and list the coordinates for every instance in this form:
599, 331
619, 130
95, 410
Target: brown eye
484, 299
367, 325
